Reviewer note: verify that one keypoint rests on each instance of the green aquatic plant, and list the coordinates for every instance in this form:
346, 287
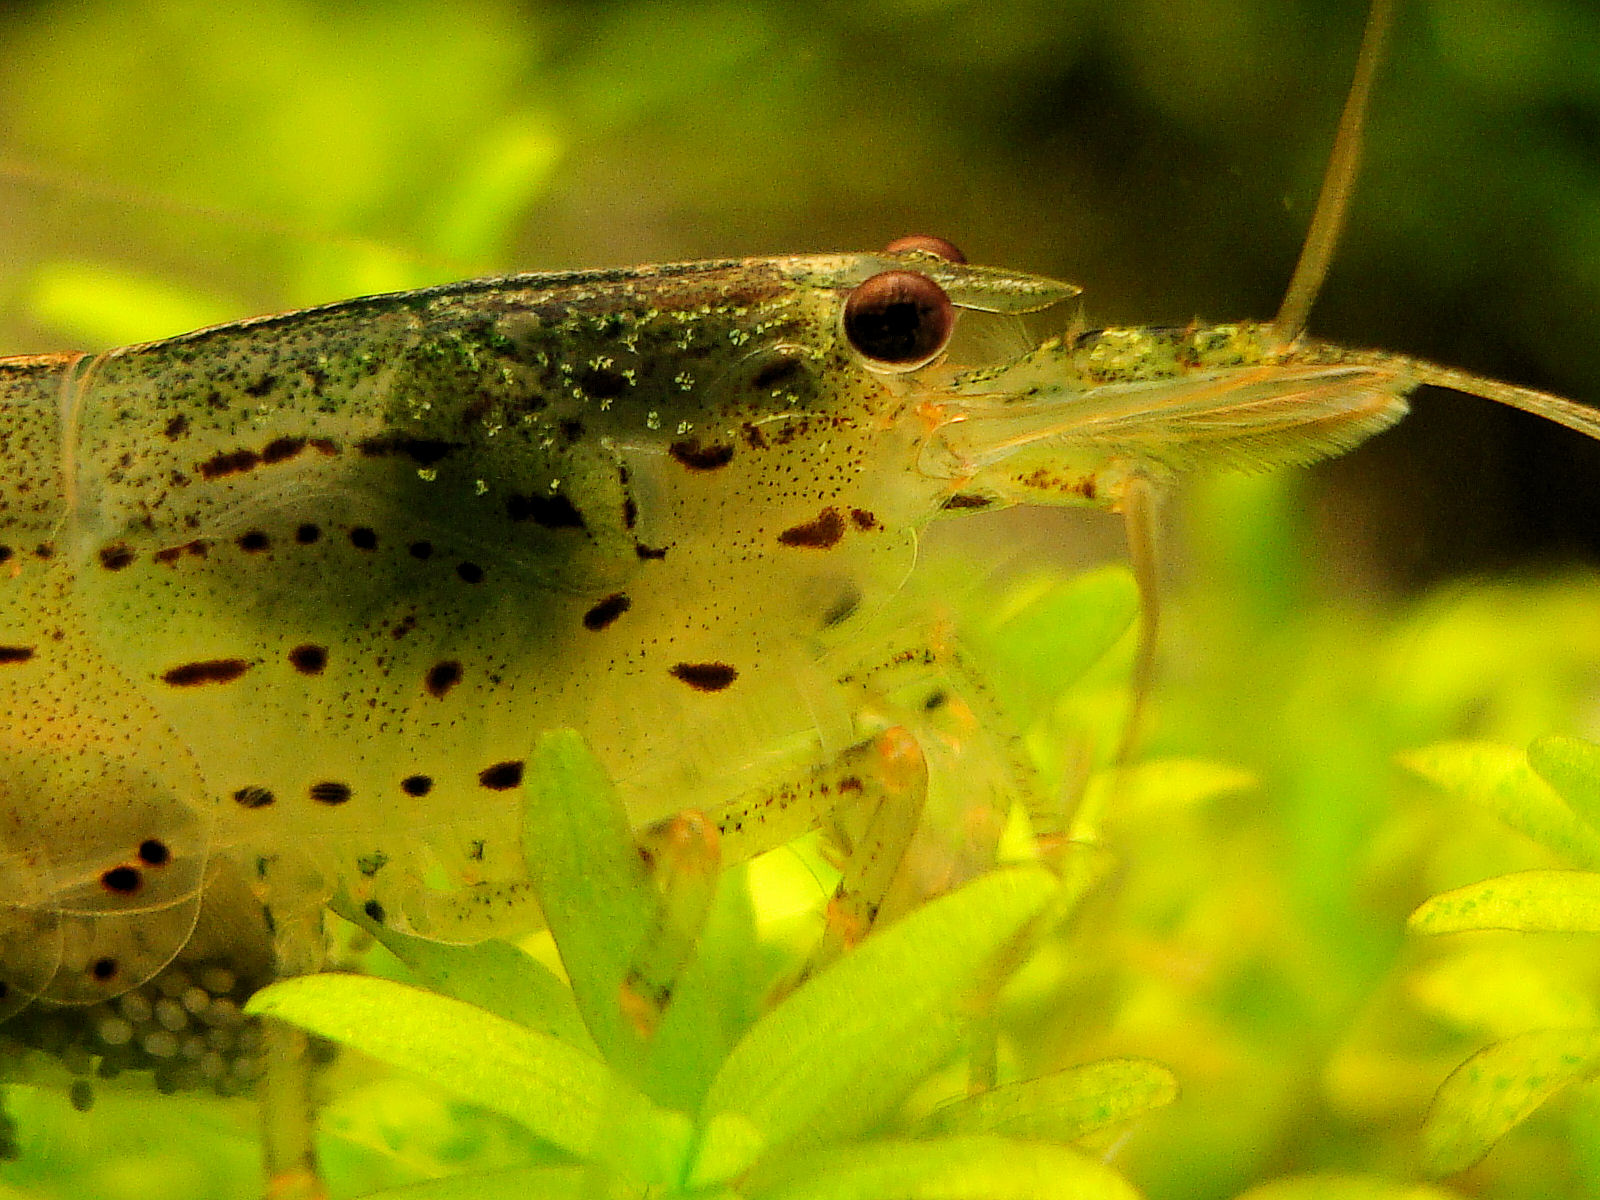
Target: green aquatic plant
1551, 795
728, 1096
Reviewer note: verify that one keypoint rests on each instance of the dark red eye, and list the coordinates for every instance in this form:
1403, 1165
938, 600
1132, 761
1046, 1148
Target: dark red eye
899, 319
927, 244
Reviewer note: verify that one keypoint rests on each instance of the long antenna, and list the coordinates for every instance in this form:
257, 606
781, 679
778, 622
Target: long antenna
1327, 220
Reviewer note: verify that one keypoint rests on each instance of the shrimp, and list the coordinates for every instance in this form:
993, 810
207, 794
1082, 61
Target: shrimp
283, 601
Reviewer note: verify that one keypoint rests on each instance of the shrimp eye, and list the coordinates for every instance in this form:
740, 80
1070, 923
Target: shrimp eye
926, 244
898, 319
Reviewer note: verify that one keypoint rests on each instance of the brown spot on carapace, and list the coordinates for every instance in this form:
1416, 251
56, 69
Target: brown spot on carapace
176, 428
701, 458
254, 542
753, 437
363, 537
15, 654
421, 550
502, 776
326, 447
104, 969
649, 553
416, 785
1044, 480
469, 572
308, 534
863, 519
442, 676
45, 550
422, 451
168, 555
330, 791
551, 512
261, 386
122, 881
817, 534
706, 677
851, 783
153, 852
253, 797
606, 611
116, 556
228, 462
210, 670
967, 500
630, 512
309, 659
6, 553
282, 449
374, 910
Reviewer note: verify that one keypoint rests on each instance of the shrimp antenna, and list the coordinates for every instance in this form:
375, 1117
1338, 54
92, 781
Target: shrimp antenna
1327, 220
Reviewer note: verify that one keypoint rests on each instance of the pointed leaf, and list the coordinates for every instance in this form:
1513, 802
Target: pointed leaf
847, 1046
591, 883
1572, 767
563, 1095
1064, 1105
1534, 901
1499, 779
978, 1167
1497, 1088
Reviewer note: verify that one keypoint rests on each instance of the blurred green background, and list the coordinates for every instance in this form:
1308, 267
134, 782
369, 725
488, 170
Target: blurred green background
166, 165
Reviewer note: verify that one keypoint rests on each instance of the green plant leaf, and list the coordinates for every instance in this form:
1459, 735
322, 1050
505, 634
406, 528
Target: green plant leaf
1344, 1187
1064, 1105
1497, 1088
1572, 767
561, 1094
493, 975
1049, 632
979, 1167
1533, 901
849, 1044
1499, 779
1507, 987
716, 999
729, 1146
592, 886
